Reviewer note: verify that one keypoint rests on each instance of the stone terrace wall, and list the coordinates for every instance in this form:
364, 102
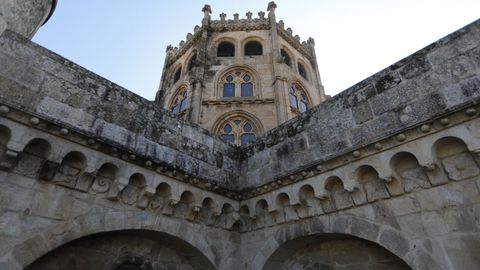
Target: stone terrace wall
53, 89
438, 79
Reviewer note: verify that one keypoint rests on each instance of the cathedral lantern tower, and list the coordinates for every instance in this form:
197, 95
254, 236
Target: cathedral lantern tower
240, 77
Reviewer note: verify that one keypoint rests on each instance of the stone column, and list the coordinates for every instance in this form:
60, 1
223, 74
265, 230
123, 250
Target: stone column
202, 51
25, 16
278, 86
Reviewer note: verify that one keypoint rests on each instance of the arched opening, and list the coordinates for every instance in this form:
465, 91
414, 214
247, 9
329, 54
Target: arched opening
374, 186
411, 174
104, 178
131, 193
5, 135
332, 251
30, 161
238, 82
302, 71
225, 49
286, 57
455, 158
177, 75
193, 62
124, 250
179, 103
299, 102
253, 48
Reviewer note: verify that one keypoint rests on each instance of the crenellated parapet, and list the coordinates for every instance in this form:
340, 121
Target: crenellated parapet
305, 47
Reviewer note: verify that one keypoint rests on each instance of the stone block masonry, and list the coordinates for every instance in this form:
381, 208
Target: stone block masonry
385, 175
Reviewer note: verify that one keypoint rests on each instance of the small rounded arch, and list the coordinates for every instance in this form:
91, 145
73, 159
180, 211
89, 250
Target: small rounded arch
261, 206
238, 127
334, 183
282, 200
75, 160
187, 197
253, 47
5, 135
137, 179
306, 193
38, 147
226, 49
163, 190
208, 203
449, 146
403, 161
366, 173
227, 208
108, 170
286, 57
244, 211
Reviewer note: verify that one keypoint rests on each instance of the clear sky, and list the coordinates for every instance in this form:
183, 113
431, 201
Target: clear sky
124, 40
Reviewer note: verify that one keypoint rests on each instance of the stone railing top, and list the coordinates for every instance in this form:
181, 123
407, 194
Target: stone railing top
438, 79
57, 90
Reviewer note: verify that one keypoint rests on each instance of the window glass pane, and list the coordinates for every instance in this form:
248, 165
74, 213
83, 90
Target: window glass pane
303, 106
246, 78
228, 90
247, 89
293, 101
175, 108
227, 128
229, 78
246, 138
237, 122
183, 105
238, 72
247, 127
228, 138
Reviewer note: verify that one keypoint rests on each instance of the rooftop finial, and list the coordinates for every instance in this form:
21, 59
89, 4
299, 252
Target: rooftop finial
207, 10
222, 16
261, 15
235, 17
271, 6
249, 15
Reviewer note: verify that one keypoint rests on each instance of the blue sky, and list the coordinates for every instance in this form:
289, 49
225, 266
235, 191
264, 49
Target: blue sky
124, 41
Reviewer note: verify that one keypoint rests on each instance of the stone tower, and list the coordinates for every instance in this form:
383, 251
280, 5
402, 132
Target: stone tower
239, 78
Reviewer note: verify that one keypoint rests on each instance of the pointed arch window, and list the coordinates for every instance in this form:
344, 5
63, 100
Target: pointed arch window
177, 75
179, 102
238, 130
193, 62
238, 82
286, 57
298, 99
302, 71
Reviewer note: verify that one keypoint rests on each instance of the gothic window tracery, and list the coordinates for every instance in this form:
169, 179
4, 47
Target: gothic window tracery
179, 102
193, 62
238, 130
298, 99
238, 82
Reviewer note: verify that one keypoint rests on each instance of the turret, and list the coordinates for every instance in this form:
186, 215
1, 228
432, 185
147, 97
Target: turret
25, 16
240, 76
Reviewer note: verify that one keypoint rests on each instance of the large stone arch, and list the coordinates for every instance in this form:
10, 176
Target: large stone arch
62, 233
387, 237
